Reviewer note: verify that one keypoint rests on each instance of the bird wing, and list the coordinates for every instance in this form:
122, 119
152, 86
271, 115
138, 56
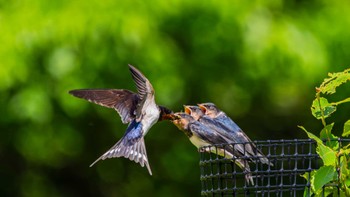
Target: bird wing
212, 137
228, 136
143, 86
206, 134
123, 101
235, 132
236, 135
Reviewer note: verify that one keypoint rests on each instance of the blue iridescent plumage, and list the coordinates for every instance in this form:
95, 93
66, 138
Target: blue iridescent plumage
133, 133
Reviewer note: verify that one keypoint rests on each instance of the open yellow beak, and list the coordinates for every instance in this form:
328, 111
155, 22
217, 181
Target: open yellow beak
187, 110
204, 109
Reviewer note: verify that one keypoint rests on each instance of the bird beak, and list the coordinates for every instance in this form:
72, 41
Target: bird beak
177, 116
203, 108
187, 110
170, 117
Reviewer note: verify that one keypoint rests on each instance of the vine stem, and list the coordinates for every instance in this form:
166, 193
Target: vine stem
322, 113
341, 102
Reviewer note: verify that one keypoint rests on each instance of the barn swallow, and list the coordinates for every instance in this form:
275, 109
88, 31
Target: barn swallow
232, 132
138, 109
201, 135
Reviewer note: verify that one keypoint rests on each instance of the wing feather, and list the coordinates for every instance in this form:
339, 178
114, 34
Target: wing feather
123, 101
144, 87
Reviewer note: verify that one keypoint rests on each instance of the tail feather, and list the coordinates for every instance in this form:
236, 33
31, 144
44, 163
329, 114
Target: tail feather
263, 159
132, 153
142, 157
136, 159
250, 149
229, 153
136, 152
243, 164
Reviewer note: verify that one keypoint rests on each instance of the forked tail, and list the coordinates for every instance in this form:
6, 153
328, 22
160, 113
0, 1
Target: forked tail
136, 152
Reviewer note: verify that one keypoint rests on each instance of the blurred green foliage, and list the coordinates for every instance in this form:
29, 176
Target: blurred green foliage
259, 61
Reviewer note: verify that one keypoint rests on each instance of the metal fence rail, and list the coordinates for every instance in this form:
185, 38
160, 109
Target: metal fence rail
290, 159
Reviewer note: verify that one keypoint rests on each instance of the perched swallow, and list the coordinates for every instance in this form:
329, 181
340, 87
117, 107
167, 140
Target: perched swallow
230, 130
201, 135
138, 109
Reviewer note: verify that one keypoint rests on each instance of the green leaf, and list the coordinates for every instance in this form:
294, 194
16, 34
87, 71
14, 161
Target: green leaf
307, 192
331, 140
344, 171
324, 134
322, 105
305, 175
346, 130
335, 193
330, 84
308, 176
347, 182
322, 176
311, 136
327, 154
327, 191
346, 151
346, 193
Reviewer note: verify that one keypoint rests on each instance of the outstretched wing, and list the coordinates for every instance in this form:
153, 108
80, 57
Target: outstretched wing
123, 101
144, 87
144, 90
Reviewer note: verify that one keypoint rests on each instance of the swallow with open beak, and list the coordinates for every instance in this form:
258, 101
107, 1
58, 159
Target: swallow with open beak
138, 109
201, 135
230, 130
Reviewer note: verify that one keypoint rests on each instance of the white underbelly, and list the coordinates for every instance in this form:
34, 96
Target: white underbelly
150, 117
198, 142
219, 151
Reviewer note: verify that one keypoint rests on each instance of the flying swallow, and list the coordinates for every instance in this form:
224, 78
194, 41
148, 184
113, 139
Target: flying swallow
201, 136
232, 132
138, 109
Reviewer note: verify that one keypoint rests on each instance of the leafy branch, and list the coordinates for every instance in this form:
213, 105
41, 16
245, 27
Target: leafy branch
336, 162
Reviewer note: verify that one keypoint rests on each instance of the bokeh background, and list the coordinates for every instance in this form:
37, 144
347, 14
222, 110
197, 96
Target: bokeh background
259, 61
